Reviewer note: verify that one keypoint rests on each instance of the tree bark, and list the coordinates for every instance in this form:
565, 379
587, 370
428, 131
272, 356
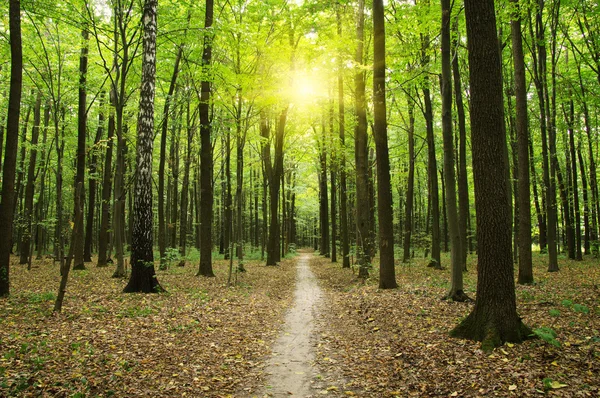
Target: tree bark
206, 160
143, 277
494, 319
162, 225
12, 139
25, 247
524, 196
456, 292
361, 154
89, 226
81, 144
410, 183
464, 207
387, 276
104, 236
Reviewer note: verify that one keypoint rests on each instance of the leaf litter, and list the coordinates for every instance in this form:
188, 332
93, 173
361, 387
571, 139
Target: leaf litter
204, 339
201, 338
395, 343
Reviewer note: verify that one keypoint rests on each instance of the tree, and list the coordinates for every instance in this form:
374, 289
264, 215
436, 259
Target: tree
524, 196
361, 154
143, 277
342, 135
81, 137
25, 250
494, 319
206, 161
12, 140
387, 276
456, 292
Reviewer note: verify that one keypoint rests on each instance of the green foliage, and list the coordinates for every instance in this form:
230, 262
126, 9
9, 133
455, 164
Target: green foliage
554, 312
547, 334
135, 312
35, 298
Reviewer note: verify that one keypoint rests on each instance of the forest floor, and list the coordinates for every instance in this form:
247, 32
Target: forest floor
205, 339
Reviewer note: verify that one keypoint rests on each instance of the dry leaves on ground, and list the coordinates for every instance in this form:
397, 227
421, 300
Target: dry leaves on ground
396, 343
201, 338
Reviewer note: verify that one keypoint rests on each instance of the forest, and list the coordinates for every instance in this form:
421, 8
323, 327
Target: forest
373, 198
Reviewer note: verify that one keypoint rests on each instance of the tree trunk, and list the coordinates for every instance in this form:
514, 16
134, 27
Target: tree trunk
435, 260
410, 189
361, 154
104, 236
143, 278
387, 275
206, 160
41, 207
342, 134
494, 319
25, 249
323, 197
523, 196
12, 140
333, 187
81, 145
586, 208
276, 171
89, 227
162, 225
463, 185
64, 270
456, 292
183, 231
577, 212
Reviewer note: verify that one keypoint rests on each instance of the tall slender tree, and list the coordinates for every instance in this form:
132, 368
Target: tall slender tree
143, 277
456, 291
361, 153
12, 140
524, 196
206, 161
81, 141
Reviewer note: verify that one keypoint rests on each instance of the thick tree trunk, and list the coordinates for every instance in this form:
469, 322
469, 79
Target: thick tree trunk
206, 160
12, 139
524, 196
143, 277
387, 276
494, 318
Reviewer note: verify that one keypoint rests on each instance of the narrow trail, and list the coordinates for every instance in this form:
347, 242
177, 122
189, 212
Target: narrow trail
291, 366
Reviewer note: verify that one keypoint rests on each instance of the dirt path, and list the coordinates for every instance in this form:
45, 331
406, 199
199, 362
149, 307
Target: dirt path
291, 366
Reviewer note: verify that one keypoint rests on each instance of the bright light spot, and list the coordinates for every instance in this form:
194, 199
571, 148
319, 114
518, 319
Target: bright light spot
308, 87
